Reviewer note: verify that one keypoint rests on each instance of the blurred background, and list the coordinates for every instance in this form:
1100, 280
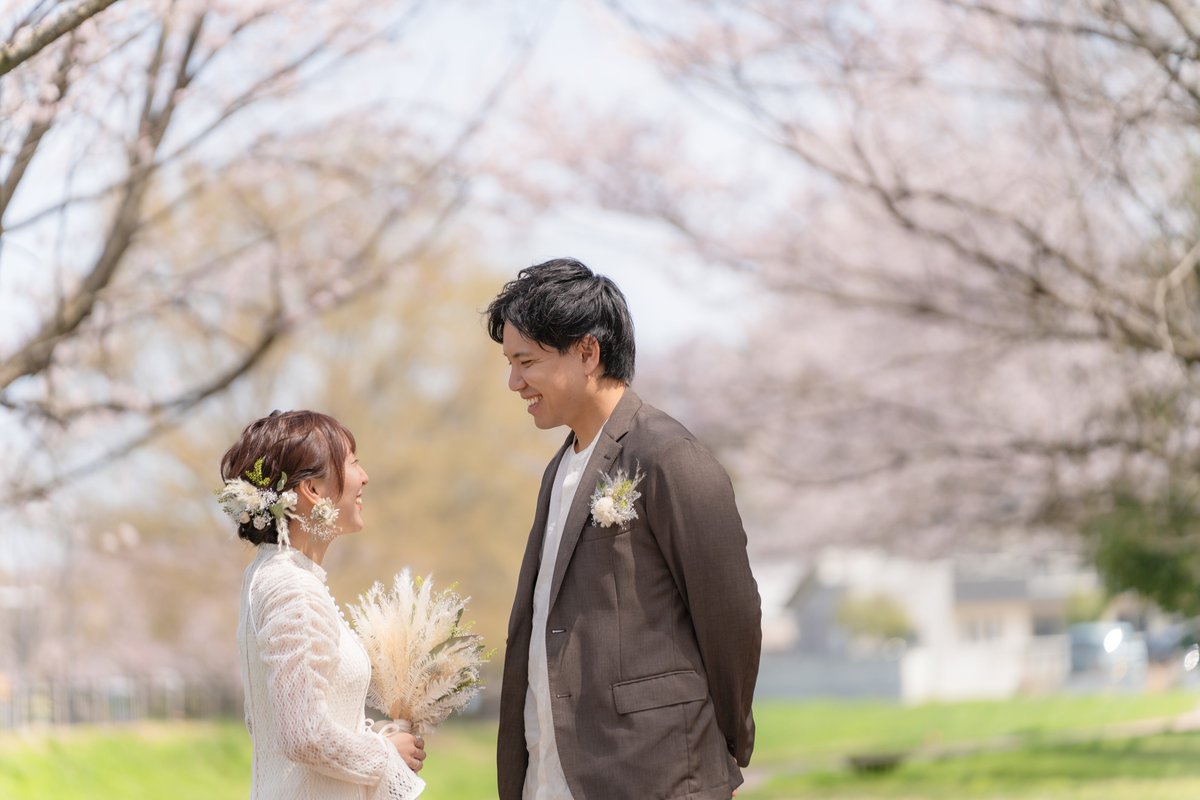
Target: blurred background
922, 275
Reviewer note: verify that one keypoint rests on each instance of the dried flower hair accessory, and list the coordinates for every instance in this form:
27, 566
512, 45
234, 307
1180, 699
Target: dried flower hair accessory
252, 500
613, 499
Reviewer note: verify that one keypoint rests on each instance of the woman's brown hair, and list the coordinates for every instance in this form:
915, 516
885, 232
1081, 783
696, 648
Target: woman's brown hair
303, 444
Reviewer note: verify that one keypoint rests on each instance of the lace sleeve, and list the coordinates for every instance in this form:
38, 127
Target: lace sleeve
297, 632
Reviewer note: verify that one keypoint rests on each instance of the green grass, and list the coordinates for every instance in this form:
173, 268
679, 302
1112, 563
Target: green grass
1162, 767
202, 761
799, 754
195, 761
801, 750
815, 731
460, 762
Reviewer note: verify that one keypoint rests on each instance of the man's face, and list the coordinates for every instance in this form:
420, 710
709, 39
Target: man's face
553, 384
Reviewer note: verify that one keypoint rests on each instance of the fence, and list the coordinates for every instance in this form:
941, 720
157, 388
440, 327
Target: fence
123, 699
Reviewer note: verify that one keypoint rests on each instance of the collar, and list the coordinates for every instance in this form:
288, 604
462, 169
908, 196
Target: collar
302, 561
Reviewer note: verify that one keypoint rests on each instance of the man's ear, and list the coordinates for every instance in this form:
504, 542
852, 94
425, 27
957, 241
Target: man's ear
589, 352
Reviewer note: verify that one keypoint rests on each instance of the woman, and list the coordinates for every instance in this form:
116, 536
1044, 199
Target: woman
293, 484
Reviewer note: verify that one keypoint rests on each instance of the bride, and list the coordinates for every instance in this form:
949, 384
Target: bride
293, 484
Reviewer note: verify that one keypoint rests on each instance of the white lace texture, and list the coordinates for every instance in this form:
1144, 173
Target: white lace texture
305, 678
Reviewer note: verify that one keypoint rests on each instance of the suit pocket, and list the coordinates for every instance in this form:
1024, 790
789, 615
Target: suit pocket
657, 691
592, 531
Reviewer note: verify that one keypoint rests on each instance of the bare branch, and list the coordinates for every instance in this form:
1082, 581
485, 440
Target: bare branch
170, 412
33, 137
29, 42
173, 415
1167, 284
258, 91
37, 353
1165, 54
1180, 15
958, 453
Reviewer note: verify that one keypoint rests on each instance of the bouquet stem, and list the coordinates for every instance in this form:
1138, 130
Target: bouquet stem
393, 726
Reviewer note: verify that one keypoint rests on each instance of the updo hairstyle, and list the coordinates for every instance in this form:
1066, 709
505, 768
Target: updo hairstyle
304, 444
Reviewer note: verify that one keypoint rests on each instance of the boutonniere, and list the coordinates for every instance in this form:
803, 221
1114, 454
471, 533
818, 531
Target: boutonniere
613, 499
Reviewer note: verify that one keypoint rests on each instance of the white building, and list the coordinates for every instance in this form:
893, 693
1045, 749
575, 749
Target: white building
982, 627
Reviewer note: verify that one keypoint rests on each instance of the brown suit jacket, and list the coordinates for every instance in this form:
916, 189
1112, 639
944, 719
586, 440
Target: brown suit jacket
654, 630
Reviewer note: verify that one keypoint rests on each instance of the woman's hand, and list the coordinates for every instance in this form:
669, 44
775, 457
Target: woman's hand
411, 748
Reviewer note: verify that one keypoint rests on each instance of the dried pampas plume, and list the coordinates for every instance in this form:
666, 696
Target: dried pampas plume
424, 661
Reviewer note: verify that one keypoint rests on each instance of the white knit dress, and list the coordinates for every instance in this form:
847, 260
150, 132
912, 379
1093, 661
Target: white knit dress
305, 677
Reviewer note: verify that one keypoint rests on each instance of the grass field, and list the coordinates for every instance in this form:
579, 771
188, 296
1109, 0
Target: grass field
814, 732
1162, 767
1045, 748
201, 761
1032, 748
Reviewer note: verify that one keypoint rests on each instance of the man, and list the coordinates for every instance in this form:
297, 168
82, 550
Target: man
633, 644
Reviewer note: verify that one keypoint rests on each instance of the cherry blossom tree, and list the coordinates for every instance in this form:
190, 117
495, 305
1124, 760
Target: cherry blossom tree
976, 226
185, 183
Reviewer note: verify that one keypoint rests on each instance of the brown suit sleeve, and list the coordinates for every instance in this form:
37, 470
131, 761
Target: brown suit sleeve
691, 511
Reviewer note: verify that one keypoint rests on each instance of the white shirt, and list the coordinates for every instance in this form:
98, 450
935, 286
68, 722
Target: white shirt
544, 779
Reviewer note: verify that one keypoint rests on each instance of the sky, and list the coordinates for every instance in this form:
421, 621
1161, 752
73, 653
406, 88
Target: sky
581, 57
583, 53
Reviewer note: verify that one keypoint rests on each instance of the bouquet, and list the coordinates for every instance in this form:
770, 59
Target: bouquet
424, 661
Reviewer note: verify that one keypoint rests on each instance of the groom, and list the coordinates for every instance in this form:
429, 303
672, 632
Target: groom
633, 642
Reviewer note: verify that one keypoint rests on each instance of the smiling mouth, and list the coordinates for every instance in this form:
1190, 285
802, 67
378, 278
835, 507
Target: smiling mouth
530, 402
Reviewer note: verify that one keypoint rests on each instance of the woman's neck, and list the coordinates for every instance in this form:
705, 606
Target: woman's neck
313, 548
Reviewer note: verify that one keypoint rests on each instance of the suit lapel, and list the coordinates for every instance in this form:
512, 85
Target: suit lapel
607, 449
527, 578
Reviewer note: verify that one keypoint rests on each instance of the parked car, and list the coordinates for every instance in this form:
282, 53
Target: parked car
1171, 642
1106, 654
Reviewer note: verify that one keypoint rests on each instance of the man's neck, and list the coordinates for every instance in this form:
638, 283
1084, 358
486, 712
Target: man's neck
596, 414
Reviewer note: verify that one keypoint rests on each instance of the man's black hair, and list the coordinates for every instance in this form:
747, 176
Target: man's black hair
559, 302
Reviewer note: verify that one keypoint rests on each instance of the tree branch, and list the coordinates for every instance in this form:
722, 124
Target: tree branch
37, 353
28, 43
33, 137
174, 413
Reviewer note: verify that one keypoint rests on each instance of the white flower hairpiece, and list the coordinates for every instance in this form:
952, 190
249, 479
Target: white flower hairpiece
252, 500
613, 499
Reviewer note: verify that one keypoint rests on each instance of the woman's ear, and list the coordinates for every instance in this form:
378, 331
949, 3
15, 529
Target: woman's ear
307, 489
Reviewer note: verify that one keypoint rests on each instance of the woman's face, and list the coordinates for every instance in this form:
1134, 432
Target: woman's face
349, 505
